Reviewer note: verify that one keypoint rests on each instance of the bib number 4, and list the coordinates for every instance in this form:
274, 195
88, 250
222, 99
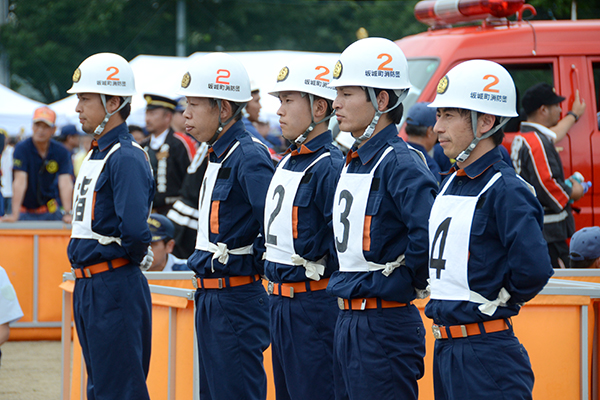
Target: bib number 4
439, 263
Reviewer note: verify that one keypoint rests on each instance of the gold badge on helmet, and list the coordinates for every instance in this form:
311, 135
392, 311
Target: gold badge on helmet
52, 167
337, 70
76, 75
283, 74
185, 81
443, 85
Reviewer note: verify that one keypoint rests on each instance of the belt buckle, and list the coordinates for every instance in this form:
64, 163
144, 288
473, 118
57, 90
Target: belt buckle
291, 292
436, 332
73, 273
270, 286
340, 303
195, 282
220, 280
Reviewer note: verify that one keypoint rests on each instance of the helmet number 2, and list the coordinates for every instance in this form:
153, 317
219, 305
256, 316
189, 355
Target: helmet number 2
112, 77
382, 66
319, 77
489, 86
223, 74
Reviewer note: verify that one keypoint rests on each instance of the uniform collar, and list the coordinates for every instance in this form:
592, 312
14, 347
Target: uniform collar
529, 126
112, 136
373, 145
480, 165
314, 145
224, 142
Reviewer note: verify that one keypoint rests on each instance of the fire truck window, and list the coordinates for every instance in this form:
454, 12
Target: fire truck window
420, 72
525, 76
596, 69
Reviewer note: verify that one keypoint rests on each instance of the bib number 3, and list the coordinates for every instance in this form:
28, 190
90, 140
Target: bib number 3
342, 245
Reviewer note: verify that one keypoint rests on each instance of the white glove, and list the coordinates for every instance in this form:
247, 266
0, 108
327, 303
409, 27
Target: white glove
147, 260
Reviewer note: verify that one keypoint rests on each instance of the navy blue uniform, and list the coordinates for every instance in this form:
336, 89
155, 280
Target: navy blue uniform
233, 323
506, 250
379, 352
42, 178
112, 309
302, 327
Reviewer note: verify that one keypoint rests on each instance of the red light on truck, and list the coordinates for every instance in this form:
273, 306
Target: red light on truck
447, 12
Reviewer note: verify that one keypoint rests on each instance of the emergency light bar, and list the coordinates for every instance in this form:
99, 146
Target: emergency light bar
447, 12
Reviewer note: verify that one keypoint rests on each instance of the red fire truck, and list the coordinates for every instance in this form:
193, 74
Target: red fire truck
565, 54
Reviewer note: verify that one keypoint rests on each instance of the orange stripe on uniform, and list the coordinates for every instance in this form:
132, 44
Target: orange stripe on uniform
295, 222
214, 217
543, 171
93, 204
367, 234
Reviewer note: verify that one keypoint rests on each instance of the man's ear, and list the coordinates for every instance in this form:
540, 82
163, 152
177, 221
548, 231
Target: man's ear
226, 110
170, 246
383, 100
113, 104
485, 122
320, 109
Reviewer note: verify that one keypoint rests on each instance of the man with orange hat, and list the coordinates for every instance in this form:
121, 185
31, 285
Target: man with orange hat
42, 185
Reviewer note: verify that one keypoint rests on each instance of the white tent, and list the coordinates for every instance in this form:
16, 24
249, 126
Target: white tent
162, 75
16, 112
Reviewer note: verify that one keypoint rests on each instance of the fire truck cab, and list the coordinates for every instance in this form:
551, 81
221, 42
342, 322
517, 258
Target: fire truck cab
564, 54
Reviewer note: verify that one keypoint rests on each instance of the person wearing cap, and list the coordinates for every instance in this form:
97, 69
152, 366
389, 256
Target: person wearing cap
178, 121
300, 255
536, 160
380, 210
69, 137
42, 170
170, 152
419, 131
232, 315
162, 230
487, 251
140, 135
110, 237
584, 249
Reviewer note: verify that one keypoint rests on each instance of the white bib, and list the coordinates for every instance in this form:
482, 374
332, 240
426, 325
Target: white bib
83, 198
449, 236
203, 243
279, 205
349, 210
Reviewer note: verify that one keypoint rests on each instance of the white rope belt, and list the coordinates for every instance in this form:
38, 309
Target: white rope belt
314, 269
221, 252
489, 307
106, 240
388, 267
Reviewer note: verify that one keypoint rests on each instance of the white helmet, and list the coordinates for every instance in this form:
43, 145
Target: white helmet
481, 86
107, 74
104, 73
373, 63
310, 74
217, 76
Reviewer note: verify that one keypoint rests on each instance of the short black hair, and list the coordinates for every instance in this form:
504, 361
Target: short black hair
396, 113
416, 130
582, 263
125, 111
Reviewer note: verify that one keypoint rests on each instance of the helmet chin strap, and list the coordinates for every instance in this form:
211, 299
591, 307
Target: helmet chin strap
100, 128
371, 128
224, 124
300, 139
462, 157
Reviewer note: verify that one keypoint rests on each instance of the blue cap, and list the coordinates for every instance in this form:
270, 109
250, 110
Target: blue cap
70, 130
181, 104
161, 227
421, 115
585, 244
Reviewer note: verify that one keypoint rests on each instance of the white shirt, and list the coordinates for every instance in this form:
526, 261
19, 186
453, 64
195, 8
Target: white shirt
10, 310
7, 171
157, 141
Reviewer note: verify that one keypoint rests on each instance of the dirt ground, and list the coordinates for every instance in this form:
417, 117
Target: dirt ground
30, 371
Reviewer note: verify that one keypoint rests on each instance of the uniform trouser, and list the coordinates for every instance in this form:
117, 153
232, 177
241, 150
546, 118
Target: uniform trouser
112, 313
379, 353
302, 345
232, 326
482, 367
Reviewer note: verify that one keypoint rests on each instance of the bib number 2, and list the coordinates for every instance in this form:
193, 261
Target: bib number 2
279, 190
342, 245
